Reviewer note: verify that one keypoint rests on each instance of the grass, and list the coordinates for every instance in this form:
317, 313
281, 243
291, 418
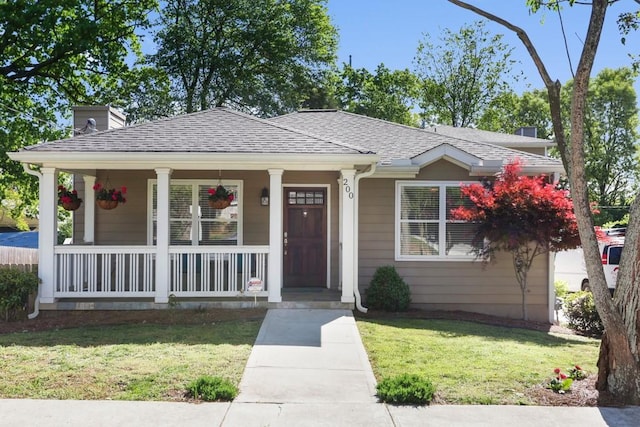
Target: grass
471, 363
126, 362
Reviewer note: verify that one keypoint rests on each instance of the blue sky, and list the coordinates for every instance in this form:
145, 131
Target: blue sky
388, 31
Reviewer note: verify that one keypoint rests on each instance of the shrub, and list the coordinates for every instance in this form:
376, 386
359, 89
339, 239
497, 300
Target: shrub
212, 389
562, 288
581, 313
388, 291
15, 287
406, 389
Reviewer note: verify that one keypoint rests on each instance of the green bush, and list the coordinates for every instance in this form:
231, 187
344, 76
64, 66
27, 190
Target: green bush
581, 313
406, 389
212, 389
562, 288
388, 291
15, 287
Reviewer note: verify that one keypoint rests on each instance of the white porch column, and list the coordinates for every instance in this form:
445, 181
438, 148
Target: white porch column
89, 208
274, 281
47, 233
163, 267
347, 224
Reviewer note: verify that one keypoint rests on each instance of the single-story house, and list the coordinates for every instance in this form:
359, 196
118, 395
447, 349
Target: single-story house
322, 198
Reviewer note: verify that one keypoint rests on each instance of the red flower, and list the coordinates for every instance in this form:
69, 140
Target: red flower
556, 371
211, 191
123, 189
231, 197
97, 186
578, 368
563, 377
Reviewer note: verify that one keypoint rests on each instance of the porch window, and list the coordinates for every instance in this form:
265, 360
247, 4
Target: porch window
192, 221
424, 227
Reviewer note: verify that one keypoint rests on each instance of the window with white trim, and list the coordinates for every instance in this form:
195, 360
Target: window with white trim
191, 220
425, 229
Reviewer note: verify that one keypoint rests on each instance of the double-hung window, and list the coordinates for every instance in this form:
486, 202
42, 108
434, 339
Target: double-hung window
425, 228
191, 220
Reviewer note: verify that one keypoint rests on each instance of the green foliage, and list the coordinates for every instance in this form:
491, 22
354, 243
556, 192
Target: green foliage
560, 383
406, 389
622, 222
387, 95
388, 291
53, 54
463, 74
212, 389
576, 373
15, 288
561, 288
255, 55
580, 310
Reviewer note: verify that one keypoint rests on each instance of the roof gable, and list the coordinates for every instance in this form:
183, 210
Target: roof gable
399, 145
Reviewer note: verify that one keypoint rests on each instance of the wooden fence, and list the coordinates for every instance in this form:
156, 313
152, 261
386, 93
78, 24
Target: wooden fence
23, 258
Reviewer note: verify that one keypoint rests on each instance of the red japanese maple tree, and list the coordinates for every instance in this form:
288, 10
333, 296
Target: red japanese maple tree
526, 216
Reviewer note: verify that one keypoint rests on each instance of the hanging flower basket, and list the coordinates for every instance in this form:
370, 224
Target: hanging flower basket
107, 204
71, 206
108, 198
220, 197
68, 199
219, 204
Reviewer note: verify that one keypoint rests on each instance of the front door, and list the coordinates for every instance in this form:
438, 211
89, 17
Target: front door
305, 237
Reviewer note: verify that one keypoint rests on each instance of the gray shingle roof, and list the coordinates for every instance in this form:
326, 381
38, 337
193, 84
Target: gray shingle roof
219, 130
479, 135
392, 141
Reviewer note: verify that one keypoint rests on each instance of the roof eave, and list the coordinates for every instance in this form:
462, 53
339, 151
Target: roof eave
193, 161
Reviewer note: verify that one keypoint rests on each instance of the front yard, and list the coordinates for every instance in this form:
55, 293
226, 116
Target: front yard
473, 363
155, 354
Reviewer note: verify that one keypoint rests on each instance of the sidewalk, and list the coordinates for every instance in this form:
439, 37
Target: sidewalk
307, 368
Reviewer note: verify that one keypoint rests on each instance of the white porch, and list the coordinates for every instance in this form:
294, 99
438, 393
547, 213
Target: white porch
88, 274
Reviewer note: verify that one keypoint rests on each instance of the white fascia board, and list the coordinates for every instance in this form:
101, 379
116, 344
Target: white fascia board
448, 152
194, 161
481, 170
392, 171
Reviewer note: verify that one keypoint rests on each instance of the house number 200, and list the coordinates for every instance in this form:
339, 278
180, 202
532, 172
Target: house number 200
347, 188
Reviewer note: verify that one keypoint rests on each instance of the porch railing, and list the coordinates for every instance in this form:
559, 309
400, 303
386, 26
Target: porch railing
130, 271
105, 271
199, 271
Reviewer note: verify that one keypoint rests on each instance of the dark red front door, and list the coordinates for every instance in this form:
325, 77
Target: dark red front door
305, 237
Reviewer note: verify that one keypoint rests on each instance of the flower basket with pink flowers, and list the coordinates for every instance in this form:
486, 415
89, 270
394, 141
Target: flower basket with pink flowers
68, 199
108, 198
220, 197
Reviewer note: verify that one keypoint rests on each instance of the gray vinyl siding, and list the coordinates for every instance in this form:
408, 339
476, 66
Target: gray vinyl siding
442, 285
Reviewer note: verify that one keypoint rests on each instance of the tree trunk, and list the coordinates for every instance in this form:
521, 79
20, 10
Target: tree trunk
618, 371
619, 362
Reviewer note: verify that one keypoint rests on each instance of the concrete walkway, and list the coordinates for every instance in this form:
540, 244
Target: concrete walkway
307, 368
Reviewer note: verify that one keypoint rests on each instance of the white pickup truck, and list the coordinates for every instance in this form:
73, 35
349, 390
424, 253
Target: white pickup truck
570, 266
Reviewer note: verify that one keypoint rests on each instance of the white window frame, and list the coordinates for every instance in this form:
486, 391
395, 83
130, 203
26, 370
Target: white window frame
194, 215
442, 221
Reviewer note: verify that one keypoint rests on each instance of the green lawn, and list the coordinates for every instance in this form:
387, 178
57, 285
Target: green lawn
126, 362
471, 363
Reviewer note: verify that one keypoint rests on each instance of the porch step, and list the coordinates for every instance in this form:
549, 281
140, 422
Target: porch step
312, 304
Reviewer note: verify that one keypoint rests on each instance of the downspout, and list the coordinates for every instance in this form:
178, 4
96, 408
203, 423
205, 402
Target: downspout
356, 226
36, 304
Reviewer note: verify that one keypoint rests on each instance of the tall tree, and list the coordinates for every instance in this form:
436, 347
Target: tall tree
54, 53
462, 74
257, 55
388, 95
619, 362
526, 216
611, 137
508, 112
